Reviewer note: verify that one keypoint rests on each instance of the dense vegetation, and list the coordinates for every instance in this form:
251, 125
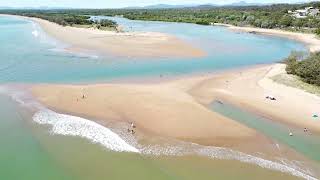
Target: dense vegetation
271, 16
307, 68
64, 18
275, 16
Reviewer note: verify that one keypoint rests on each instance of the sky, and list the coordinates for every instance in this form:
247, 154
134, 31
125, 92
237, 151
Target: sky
122, 3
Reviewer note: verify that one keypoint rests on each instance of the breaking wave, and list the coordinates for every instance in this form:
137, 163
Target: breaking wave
75, 126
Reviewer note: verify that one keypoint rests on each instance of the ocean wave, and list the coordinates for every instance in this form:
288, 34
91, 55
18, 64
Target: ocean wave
225, 154
75, 126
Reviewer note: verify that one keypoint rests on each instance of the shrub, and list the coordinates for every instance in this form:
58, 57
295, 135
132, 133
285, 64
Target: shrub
308, 69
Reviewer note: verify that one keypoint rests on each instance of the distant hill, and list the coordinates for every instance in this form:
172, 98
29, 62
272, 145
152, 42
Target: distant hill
244, 3
40, 7
162, 6
3, 7
168, 6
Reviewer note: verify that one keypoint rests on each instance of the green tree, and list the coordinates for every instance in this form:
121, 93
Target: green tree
286, 21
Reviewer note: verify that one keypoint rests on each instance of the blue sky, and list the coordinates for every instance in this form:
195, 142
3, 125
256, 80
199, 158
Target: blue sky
121, 3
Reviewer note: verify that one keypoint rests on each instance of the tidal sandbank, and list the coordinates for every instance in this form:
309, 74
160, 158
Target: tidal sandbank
178, 108
310, 40
249, 88
126, 44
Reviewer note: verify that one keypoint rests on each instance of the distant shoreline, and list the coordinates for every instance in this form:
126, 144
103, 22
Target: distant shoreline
310, 40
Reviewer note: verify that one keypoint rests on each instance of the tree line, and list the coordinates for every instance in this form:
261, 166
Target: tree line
63, 18
268, 16
307, 68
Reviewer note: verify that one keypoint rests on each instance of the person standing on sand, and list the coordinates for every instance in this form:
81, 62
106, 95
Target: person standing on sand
132, 128
132, 125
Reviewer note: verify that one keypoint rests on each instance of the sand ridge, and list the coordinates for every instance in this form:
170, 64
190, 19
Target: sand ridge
248, 89
310, 40
178, 108
128, 44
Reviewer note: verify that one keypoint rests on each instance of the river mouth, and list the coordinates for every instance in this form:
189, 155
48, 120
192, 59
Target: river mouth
55, 148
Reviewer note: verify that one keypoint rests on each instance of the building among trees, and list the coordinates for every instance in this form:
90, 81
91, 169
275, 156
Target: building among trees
303, 13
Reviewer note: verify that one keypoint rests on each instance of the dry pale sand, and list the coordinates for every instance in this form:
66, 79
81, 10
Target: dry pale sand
310, 40
133, 44
248, 89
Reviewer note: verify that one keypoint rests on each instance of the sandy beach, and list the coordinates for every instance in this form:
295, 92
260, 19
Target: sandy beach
248, 89
129, 44
310, 40
178, 108
164, 109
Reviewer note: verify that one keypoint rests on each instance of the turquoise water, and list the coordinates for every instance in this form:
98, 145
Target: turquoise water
26, 58
28, 151
306, 143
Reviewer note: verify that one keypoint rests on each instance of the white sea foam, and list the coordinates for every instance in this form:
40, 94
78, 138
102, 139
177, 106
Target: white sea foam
246, 158
35, 33
225, 154
76, 126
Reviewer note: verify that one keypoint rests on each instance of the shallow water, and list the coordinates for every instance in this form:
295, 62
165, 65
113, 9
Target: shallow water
30, 151
21, 155
29, 58
306, 143
36, 154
